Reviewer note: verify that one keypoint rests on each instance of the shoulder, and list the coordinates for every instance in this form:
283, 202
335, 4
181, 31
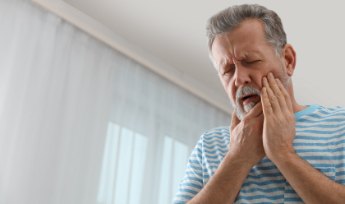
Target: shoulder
337, 110
216, 133
336, 113
215, 136
323, 113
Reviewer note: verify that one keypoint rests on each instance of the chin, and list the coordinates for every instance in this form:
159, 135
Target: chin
242, 111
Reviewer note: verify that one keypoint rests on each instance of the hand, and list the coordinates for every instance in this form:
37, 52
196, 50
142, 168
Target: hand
279, 119
246, 136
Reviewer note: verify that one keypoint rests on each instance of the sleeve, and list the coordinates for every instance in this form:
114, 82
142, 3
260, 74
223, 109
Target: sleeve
192, 181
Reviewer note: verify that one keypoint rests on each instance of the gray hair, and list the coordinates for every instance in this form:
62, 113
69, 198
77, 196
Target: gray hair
228, 19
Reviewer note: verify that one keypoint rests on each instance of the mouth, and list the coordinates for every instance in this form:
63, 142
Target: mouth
250, 98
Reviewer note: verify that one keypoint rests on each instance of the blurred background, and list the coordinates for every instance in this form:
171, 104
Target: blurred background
101, 102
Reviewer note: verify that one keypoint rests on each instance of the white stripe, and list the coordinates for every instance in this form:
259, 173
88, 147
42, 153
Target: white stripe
311, 146
316, 119
326, 134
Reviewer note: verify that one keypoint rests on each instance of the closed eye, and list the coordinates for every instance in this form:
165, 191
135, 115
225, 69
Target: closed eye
246, 62
229, 69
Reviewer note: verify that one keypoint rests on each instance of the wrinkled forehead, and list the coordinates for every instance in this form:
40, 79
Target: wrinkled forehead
224, 51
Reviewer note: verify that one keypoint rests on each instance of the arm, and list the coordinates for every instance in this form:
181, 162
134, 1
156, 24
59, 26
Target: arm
224, 186
244, 152
278, 133
310, 184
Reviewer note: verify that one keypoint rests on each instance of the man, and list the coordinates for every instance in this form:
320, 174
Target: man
275, 150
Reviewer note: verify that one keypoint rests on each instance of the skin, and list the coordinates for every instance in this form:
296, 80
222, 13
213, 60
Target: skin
268, 128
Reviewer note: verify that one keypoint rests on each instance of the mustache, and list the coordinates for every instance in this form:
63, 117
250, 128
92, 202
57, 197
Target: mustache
245, 91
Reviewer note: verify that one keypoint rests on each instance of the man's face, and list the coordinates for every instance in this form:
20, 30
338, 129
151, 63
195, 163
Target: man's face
243, 57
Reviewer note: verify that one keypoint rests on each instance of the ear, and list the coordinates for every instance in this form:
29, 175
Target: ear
289, 56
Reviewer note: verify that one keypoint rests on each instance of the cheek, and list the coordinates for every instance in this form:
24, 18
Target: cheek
229, 88
257, 79
276, 71
232, 92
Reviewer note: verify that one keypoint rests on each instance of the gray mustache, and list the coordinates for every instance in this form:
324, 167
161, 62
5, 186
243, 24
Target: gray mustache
246, 90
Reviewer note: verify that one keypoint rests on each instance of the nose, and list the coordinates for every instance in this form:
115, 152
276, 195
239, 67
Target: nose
241, 76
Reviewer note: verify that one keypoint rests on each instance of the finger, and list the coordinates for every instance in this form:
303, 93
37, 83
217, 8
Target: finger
285, 94
234, 121
266, 105
271, 97
254, 112
276, 90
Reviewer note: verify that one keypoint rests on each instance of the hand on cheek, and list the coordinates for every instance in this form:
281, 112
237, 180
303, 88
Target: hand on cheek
279, 119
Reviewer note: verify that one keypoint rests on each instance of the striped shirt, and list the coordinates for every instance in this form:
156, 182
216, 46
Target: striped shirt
320, 140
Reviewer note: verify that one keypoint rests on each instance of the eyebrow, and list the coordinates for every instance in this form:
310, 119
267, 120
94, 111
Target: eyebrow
252, 52
225, 61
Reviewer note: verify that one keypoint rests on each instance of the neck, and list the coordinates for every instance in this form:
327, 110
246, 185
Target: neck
296, 107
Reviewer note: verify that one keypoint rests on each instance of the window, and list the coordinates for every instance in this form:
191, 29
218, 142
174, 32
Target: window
175, 155
123, 168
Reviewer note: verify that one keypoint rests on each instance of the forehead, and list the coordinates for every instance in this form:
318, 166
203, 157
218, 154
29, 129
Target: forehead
246, 39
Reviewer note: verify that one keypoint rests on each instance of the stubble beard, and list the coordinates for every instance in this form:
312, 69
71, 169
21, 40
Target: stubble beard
240, 109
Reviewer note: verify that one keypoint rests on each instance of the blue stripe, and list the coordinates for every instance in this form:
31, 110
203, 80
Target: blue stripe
262, 183
210, 144
193, 174
198, 152
263, 168
340, 124
321, 165
179, 202
265, 175
215, 151
193, 161
213, 162
339, 149
290, 191
341, 181
325, 138
323, 120
309, 110
214, 157
269, 190
190, 191
194, 167
341, 173
323, 132
293, 200
340, 157
277, 197
339, 112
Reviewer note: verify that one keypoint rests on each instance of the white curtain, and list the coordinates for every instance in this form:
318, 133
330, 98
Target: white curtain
82, 124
